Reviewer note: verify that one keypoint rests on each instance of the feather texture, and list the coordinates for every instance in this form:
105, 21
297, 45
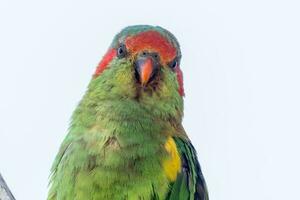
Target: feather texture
190, 184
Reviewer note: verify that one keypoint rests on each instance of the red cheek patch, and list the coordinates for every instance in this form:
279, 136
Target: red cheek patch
107, 58
180, 81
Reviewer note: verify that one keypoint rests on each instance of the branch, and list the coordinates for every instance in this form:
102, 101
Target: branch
5, 193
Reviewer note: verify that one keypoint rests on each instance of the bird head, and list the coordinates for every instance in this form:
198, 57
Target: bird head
143, 65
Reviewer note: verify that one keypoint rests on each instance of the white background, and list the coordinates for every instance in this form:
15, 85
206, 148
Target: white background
241, 66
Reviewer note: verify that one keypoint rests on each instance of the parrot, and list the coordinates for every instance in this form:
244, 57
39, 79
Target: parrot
126, 140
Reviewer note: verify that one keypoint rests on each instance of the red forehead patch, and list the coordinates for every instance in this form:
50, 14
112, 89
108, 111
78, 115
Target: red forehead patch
153, 41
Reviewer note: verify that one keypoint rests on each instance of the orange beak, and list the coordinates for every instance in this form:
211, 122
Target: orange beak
146, 69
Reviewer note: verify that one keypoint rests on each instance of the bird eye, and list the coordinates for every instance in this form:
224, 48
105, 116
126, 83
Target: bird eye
173, 64
121, 53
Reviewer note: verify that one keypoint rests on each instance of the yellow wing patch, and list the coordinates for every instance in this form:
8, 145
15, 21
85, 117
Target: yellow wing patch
172, 164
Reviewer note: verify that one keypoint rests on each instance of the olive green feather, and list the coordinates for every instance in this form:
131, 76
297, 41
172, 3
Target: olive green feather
190, 184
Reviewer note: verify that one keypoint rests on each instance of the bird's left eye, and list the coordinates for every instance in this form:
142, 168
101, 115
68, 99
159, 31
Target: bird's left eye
121, 52
173, 64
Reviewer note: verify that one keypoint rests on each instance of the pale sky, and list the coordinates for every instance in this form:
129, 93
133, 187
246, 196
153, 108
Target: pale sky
241, 73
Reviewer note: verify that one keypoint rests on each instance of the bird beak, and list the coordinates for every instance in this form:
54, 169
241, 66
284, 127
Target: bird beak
146, 69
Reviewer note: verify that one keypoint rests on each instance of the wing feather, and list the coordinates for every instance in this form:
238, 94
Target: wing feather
190, 183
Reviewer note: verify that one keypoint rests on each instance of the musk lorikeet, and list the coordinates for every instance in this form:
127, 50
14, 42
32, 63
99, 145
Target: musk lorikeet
126, 140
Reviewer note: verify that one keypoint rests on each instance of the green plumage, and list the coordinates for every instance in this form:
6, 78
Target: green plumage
190, 184
115, 145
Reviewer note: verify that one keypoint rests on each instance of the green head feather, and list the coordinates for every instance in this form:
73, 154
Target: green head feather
118, 81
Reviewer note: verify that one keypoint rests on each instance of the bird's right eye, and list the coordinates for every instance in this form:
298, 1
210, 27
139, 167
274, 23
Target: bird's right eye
121, 52
173, 64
